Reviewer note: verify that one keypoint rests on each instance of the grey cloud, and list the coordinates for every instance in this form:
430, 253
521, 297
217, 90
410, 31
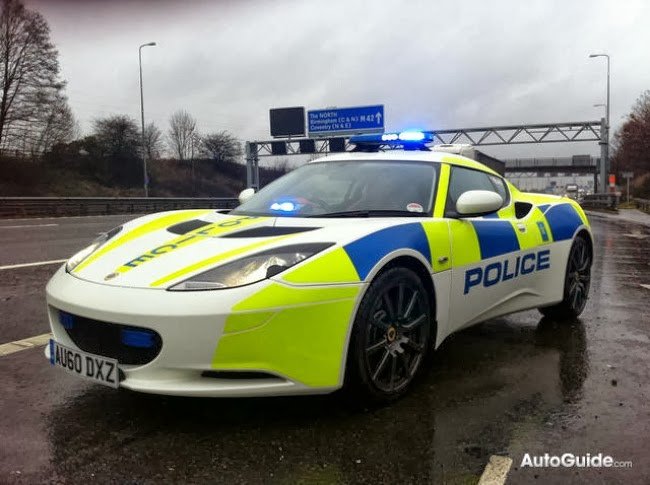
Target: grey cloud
442, 64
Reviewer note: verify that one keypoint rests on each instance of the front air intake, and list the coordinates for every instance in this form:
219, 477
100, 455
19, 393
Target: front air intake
128, 344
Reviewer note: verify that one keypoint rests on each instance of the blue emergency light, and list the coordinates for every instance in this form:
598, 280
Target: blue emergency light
408, 140
143, 339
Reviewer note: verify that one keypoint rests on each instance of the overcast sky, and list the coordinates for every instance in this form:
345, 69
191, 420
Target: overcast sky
433, 64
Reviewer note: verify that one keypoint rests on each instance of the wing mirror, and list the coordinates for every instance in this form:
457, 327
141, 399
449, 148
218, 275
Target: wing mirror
474, 203
246, 194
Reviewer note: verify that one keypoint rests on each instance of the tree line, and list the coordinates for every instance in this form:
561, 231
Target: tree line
114, 149
36, 120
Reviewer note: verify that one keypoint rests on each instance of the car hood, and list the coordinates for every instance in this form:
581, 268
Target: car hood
160, 250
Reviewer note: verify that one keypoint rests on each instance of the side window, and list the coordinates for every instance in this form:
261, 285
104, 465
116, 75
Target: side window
500, 188
464, 179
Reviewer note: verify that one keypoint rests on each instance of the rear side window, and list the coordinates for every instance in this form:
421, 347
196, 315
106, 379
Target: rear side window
464, 179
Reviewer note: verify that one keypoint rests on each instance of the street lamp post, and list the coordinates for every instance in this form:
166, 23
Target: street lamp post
144, 147
600, 105
604, 142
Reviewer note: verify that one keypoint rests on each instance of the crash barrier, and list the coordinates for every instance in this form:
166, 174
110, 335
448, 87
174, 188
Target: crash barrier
95, 206
600, 201
643, 204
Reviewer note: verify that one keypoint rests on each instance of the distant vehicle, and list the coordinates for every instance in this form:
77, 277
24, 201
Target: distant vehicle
347, 270
571, 191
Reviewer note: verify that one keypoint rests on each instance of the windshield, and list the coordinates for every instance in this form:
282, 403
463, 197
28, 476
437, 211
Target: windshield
370, 188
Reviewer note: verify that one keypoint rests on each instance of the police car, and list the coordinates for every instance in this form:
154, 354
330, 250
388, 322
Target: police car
348, 270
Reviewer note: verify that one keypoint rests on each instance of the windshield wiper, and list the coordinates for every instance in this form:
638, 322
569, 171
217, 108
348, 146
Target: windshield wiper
371, 213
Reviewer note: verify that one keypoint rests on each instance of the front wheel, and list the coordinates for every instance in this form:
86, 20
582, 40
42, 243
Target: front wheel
576, 282
391, 335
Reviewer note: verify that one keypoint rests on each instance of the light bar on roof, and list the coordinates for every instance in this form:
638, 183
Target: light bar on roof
399, 139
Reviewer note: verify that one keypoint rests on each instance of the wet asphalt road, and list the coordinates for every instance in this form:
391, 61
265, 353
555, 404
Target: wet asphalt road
508, 387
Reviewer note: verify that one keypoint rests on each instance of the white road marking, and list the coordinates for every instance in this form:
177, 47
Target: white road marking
24, 344
496, 471
647, 287
636, 235
27, 265
28, 225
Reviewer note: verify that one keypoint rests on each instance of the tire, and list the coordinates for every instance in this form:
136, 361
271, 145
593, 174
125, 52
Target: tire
391, 336
576, 283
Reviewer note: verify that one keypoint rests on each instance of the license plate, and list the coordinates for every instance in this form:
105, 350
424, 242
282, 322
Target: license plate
89, 366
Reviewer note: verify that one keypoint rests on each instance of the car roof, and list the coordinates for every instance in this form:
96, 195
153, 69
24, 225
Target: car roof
410, 155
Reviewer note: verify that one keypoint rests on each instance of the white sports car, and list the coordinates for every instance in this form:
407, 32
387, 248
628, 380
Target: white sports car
347, 270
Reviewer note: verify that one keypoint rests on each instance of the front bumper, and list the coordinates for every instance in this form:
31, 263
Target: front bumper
272, 338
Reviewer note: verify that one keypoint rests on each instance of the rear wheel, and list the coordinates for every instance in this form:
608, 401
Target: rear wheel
576, 282
391, 335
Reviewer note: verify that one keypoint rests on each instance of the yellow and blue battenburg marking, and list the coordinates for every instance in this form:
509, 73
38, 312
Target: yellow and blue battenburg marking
563, 220
495, 237
498, 237
210, 230
366, 252
125, 237
473, 241
299, 330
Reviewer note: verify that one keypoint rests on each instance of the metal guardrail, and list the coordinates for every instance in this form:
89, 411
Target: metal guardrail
643, 204
95, 206
600, 201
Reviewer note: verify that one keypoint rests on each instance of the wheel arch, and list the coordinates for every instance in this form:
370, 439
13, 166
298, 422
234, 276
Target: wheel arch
423, 273
402, 258
583, 232
399, 259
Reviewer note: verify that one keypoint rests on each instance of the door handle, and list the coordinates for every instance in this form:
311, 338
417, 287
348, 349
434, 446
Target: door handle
521, 227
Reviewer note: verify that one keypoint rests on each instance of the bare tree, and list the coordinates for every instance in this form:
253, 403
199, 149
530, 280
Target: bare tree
29, 72
153, 141
221, 147
118, 136
632, 140
116, 142
56, 125
182, 135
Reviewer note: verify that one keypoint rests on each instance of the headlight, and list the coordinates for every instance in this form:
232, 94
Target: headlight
252, 269
75, 260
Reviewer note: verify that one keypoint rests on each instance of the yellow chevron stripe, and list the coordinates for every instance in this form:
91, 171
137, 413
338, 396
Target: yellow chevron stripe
211, 230
215, 259
143, 230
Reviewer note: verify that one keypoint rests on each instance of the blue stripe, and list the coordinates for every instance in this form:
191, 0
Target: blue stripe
543, 207
495, 238
563, 221
366, 252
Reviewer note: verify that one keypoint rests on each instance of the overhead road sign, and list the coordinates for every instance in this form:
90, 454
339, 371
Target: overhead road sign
287, 122
326, 142
346, 121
